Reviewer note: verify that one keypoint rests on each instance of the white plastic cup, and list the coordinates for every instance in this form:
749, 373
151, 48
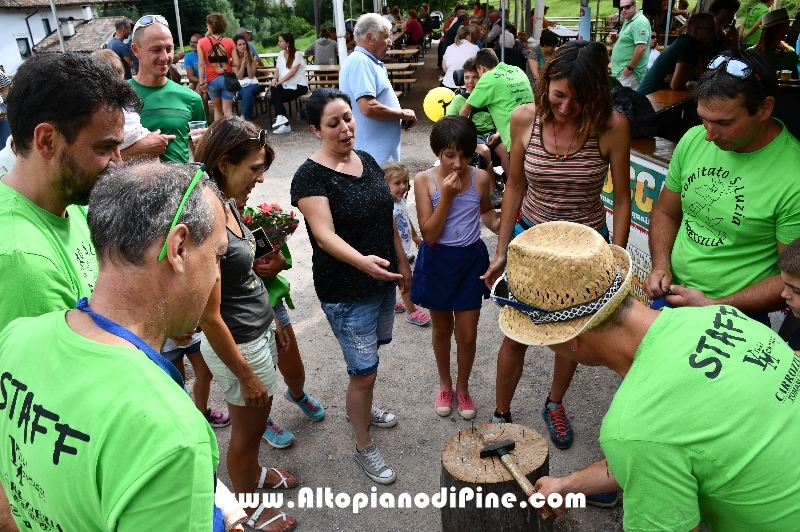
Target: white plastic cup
195, 124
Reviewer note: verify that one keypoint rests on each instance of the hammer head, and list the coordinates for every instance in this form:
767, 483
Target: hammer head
493, 448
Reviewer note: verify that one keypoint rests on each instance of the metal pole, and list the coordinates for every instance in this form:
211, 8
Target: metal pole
178, 20
666, 29
502, 31
597, 20
338, 20
58, 26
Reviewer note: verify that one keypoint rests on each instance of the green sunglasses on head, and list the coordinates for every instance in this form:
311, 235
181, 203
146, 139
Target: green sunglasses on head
196, 179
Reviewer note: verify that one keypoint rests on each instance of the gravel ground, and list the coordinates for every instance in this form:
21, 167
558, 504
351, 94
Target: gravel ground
407, 381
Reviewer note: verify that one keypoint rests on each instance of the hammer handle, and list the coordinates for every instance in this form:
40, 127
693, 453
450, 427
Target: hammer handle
525, 484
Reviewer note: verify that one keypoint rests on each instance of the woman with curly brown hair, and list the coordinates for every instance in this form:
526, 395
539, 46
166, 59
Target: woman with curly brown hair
561, 150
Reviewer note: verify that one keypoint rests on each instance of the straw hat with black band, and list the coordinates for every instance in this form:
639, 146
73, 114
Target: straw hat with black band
561, 280
773, 18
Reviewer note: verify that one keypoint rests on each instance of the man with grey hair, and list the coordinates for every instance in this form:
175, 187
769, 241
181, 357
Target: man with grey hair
375, 106
159, 234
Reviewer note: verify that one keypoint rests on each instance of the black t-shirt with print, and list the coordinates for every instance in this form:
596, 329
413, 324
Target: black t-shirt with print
362, 209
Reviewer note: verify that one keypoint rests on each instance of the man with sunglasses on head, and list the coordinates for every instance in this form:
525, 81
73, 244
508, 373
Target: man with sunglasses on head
731, 201
631, 52
166, 105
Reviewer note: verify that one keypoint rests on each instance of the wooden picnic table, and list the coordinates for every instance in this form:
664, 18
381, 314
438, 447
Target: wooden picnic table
406, 55
666, 99
564, 34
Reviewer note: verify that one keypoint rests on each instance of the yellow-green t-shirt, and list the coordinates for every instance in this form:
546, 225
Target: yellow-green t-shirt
755, 14
502, 89
96, 437
705, 426
47, 262
736, 208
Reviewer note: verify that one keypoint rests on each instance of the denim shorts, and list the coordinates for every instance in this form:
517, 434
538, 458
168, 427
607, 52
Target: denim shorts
282, 314
176, 355
216, 89
261, 355
361, 327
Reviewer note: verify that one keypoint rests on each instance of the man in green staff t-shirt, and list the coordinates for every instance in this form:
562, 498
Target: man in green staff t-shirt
730, 202
502, 88
66, 134
685, 437
166, 105
95, 436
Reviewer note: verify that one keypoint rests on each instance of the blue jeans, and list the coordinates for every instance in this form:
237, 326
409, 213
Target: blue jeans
5, 132
216, 89
248, 98
361, 327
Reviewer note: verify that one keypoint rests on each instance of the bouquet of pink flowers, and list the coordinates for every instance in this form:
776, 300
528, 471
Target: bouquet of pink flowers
270, 223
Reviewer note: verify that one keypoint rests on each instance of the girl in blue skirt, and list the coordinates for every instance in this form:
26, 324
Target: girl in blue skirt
452, 200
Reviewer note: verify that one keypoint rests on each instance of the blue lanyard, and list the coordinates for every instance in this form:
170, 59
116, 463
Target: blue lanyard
118, 330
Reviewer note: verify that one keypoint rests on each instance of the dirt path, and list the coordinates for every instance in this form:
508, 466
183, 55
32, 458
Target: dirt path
407, 380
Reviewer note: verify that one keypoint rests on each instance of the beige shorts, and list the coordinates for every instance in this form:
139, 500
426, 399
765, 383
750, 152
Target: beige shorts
261, 355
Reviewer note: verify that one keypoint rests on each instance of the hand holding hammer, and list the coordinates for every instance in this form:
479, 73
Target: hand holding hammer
501, 449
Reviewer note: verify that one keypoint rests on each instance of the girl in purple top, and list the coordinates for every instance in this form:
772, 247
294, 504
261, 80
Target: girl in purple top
452, 200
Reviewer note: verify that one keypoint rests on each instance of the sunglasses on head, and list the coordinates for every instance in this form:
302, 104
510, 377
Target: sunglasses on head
261, 138
733, 67
147, 20
201, 168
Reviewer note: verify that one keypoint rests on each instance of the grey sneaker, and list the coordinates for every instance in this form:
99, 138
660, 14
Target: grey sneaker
380, 418
374, 465
283, 130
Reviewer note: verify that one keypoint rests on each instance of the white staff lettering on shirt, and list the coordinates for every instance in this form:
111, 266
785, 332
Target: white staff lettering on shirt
32, 415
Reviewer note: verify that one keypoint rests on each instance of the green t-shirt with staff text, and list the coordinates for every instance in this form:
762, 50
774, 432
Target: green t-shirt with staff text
705, 426
502, 89
102, 440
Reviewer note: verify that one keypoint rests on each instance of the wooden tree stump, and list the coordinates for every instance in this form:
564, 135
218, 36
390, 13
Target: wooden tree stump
463, 468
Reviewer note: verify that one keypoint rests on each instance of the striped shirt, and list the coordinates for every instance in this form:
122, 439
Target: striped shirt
567, 190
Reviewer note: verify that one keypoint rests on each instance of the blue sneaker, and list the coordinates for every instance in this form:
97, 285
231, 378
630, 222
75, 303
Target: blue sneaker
608, 499
310, 406
557, 421
505, 418
276, 436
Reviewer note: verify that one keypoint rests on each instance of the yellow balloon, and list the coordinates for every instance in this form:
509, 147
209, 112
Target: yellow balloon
436, 101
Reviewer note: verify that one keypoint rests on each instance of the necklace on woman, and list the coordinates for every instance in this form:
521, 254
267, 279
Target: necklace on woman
562, 158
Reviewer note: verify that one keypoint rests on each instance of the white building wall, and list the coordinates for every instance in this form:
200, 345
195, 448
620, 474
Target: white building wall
12, 21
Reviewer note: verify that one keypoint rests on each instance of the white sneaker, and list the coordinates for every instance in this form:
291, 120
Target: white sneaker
284, 129
279, 121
